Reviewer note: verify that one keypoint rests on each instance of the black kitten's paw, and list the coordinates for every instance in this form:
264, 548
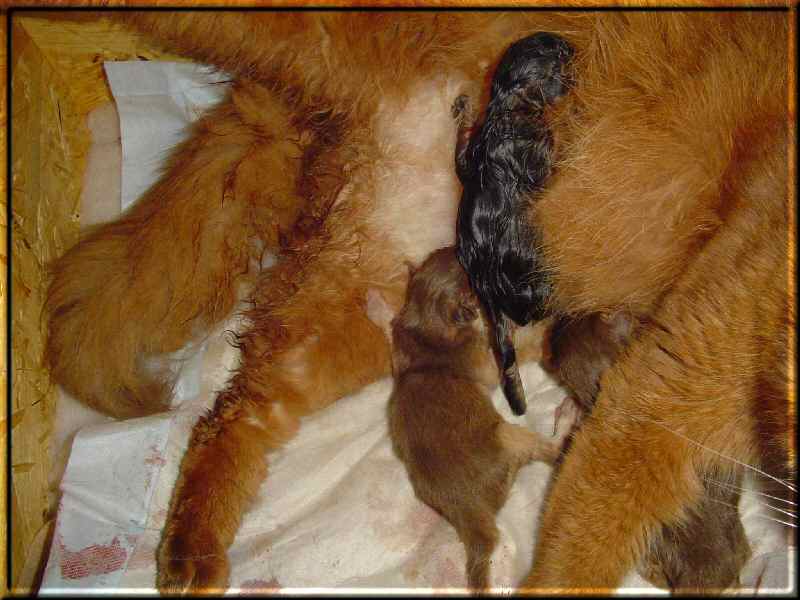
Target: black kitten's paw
461, 107
462, 111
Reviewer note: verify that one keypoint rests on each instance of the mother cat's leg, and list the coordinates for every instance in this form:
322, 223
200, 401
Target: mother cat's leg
702, 392
300, 352
166, 271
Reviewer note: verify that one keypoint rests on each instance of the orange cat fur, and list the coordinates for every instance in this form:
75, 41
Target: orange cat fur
670, 201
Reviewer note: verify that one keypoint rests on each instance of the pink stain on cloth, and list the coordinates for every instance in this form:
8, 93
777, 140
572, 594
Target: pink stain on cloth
256, 587
105, 503
97, 559
154, 458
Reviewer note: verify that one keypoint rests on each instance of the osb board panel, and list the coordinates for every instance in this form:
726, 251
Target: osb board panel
3, 300
44, 221
57, 78
78, 43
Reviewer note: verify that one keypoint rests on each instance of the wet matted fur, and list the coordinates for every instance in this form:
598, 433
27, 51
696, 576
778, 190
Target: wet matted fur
670, 200
502, 163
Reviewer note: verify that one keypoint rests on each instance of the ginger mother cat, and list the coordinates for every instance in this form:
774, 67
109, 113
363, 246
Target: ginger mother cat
670, 200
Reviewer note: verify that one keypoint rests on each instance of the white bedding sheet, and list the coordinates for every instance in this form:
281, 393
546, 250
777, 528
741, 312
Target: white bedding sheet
337, 510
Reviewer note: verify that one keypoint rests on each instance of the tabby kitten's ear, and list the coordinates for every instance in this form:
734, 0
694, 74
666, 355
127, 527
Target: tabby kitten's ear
465, 314
466, 309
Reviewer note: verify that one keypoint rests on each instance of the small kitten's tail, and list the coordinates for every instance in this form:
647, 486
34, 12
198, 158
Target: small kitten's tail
509, 377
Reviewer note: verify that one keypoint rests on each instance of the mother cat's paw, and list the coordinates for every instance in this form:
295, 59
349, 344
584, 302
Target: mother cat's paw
192, 563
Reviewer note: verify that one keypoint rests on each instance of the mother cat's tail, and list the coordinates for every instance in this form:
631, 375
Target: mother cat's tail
165, 272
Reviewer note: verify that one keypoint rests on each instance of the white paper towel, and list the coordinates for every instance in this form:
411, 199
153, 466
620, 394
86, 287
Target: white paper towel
156, 101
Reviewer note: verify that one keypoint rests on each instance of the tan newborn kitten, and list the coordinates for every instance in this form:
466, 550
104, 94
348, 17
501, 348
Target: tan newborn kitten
461, 455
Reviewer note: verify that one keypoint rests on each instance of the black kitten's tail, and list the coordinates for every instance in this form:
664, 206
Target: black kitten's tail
509, 378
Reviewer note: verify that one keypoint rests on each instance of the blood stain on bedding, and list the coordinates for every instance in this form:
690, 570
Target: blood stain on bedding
406, 529
155, 459
438, 563
440, 573
258, 586
97, 559
449, 575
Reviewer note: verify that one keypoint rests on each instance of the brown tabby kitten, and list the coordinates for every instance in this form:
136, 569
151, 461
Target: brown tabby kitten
461, 455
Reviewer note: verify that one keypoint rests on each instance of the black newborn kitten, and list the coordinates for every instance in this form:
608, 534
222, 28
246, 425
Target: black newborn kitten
501, 164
